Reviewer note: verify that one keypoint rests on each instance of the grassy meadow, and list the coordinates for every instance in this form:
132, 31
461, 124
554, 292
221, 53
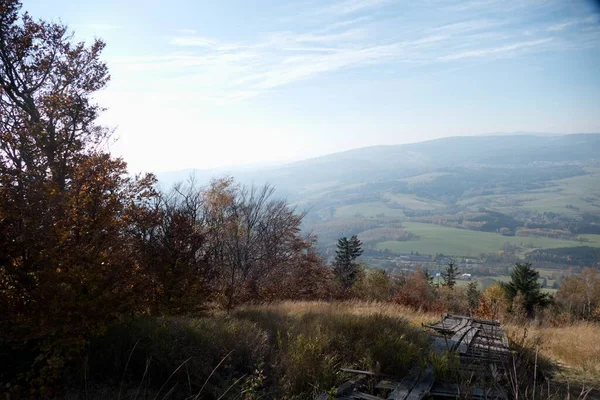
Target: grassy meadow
462, 242
572, 348
291, 350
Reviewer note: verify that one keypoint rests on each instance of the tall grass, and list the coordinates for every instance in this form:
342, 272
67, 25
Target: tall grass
294, 350
574, 348
289, 350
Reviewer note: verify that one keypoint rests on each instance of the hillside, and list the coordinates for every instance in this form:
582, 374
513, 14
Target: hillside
526, 192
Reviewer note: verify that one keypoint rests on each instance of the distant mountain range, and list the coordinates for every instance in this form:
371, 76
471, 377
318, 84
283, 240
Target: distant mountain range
457, 195
376, 163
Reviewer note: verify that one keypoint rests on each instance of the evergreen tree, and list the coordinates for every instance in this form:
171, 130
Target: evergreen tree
345, 267
524, 280
429, 277
473, 296
450, 276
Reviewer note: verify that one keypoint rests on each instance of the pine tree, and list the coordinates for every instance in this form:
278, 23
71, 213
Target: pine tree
429, 277
473, 296
524, 280
345, 267
450, 276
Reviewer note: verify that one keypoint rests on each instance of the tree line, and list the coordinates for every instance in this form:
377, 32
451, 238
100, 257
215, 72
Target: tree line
84, 244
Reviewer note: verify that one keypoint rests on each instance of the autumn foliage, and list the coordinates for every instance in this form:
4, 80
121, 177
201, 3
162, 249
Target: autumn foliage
83, 244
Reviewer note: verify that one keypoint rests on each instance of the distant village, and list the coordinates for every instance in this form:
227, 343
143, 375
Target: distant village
407, 263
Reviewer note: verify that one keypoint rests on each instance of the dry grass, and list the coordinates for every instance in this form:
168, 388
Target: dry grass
291, 350
354, 307
574, 348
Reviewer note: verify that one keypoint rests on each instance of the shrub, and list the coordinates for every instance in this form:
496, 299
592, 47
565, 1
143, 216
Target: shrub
146, 352
373, 285
311, 346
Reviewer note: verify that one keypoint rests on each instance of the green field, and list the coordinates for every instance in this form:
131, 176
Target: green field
371, 209
412, 202
582, 192
462, 242
428, 177
503, 278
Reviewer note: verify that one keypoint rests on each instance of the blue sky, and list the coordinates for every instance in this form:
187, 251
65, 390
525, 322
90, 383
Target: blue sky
214, 83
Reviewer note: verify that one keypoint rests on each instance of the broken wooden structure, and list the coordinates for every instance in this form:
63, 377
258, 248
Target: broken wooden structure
483, 354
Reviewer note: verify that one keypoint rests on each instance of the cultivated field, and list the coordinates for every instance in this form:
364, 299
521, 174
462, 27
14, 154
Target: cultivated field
462, 242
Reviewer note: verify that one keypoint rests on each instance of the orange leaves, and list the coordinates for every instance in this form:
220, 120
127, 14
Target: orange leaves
493, 304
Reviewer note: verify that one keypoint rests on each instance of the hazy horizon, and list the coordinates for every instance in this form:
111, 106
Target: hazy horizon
266, 165
221, 84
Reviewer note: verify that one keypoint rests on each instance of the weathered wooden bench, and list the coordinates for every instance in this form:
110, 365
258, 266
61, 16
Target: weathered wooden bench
480, 345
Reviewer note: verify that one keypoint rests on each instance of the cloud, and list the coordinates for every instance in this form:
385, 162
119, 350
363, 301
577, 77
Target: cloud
351, 34
352, 6
345, 23
496, 51
332, 41
591, 20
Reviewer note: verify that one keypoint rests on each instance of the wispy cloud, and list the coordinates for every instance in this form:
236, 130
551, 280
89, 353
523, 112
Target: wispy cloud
500, 51
352, 6
590, 20
246, 68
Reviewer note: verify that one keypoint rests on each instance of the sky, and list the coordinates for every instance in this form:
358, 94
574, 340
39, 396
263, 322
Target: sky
207, 84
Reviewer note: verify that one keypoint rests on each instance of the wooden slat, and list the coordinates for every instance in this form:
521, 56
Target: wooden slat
464, 344
360, 395
479, 320
405, 386
461, 325
458, 336
423, 386
451, 391
359, 372
387, 385
348, 386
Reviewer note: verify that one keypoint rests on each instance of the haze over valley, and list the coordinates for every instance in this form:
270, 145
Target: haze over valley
492, 198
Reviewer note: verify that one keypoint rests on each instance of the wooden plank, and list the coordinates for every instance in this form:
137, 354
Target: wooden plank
489, 348
387, 385
405, 386
423, 386
453, 391
465, 342
345, 387
458, 336
366, 396
359, 372
461, 325
479, 320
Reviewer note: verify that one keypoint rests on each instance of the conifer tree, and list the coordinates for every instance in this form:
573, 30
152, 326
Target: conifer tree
473, 296
345, 267
450, 276
524, 279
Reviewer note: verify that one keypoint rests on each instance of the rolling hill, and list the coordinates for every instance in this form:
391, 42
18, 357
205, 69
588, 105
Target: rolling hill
535, 192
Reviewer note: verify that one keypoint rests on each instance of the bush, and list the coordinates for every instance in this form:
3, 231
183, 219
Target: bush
259, 352
177, 354
373, 285
311, 346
